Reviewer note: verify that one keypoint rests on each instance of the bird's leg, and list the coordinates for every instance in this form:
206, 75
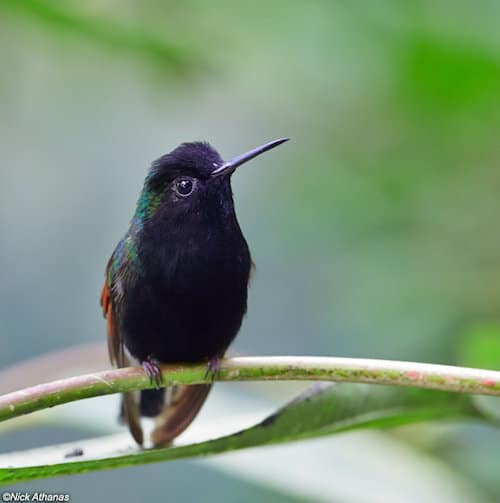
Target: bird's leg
213, 368
152, 368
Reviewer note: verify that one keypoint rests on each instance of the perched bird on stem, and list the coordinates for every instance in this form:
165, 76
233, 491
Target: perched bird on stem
176, 284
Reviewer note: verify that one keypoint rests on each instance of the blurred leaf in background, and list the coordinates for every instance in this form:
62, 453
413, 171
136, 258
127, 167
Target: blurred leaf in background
480, 346
108, 32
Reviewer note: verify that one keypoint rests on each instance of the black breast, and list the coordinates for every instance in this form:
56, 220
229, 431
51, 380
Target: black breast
190, 298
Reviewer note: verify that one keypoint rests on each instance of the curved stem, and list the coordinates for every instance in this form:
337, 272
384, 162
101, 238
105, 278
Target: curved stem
277, 368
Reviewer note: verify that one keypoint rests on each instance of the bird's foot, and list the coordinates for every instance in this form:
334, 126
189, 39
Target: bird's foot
152, 368
213, 368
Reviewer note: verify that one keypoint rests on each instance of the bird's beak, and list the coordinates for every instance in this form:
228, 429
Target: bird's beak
229, 166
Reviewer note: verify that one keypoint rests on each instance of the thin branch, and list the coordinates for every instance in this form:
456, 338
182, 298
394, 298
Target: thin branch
278, 368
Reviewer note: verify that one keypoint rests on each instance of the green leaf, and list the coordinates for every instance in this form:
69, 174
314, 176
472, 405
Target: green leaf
449, 75
321, 410
480, 347
61, 18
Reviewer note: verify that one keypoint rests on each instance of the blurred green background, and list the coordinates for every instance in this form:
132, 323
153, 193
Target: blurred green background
373, 230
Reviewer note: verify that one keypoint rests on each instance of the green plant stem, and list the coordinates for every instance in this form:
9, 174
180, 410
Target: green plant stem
278, 368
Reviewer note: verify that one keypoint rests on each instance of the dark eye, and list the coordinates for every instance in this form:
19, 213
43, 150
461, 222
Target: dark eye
184, 186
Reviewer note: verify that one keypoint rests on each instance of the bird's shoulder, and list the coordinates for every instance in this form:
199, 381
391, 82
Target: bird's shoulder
124, 264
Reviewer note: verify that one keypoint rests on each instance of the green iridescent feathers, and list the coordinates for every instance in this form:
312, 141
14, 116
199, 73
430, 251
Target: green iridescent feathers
125, 258
146, 206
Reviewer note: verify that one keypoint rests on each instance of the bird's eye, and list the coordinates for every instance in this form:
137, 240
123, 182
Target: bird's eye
184, 186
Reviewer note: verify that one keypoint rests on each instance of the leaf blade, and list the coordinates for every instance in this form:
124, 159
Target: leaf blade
322, 410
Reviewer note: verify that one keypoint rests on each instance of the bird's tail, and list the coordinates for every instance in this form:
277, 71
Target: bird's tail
152, 402
173, 409
180, 407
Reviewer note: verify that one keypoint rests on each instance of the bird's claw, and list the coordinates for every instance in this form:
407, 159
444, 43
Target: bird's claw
213, 368
152, 368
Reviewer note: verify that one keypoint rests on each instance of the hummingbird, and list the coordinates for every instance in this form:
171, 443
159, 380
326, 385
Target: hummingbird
176, 285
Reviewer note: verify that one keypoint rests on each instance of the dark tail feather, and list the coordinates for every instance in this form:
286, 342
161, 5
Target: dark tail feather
129, 414
129, 411
174, 408
183, 404
152, 402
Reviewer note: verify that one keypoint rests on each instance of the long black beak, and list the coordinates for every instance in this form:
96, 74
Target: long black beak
229, 166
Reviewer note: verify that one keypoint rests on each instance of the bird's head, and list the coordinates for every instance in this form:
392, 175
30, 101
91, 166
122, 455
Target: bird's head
193, 177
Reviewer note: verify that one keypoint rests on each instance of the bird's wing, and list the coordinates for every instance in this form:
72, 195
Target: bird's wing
114, 343
117, 356
180, 408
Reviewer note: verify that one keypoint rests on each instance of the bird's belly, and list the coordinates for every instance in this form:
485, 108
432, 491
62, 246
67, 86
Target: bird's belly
189, 323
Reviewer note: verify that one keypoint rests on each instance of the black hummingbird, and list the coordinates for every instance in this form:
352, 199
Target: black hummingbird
176, 284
